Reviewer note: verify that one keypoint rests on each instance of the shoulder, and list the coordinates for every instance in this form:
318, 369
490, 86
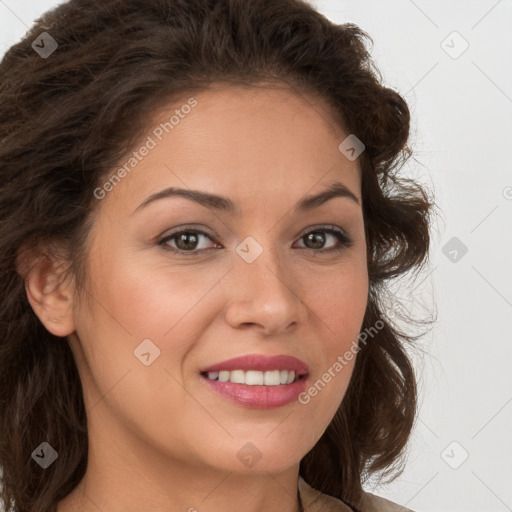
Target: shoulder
373, 503
315, 501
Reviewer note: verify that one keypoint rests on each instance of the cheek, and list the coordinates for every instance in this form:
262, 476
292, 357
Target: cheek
340, 304
339, 297
346, 311
129, 305
150, 297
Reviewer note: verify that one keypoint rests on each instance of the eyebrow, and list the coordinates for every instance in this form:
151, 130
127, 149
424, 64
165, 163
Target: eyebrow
335, 189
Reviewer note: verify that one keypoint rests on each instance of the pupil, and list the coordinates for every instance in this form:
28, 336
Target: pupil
186, 238
318, 239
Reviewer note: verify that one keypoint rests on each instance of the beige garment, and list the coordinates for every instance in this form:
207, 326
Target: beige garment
315, 501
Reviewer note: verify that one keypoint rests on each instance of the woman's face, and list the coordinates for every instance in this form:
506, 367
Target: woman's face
246, 281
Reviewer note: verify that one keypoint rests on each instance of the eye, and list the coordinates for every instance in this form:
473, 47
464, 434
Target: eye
317, 238
186, 241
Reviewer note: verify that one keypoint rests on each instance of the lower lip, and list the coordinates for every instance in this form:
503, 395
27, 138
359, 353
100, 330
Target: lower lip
258, 397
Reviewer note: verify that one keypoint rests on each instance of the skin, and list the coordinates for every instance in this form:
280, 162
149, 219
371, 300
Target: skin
159, 439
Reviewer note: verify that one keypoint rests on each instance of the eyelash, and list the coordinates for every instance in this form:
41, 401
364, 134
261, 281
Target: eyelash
343, 239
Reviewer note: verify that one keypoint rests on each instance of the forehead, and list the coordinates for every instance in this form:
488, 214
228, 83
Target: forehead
241, 141
264, 108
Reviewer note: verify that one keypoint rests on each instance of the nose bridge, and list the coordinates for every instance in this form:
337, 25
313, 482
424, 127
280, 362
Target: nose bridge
260, 260
264, 292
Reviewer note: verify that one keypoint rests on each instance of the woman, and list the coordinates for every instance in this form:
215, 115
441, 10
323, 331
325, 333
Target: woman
200, 211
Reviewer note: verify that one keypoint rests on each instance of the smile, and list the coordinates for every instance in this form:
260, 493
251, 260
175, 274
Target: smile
254, 377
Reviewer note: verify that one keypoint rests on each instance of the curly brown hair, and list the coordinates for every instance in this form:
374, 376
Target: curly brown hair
67, 120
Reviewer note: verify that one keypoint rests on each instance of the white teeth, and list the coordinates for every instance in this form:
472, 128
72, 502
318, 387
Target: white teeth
253, 377
224, 376
237, 376
272, 378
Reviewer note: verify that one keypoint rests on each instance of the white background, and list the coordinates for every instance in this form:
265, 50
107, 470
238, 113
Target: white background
462, 137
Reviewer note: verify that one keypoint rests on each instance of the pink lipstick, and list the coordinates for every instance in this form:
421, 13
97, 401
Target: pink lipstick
258, 381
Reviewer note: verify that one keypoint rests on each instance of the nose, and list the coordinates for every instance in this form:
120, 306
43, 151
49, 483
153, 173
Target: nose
263, 293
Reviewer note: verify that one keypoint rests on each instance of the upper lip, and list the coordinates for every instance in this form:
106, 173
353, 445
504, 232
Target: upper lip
260, 362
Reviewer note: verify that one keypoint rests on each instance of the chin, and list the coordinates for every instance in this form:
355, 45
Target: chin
257, 455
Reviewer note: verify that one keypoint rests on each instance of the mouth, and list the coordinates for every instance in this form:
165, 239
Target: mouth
258, 370
255, 377
258, 381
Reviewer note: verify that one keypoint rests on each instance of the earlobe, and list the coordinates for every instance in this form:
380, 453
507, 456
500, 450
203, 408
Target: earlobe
49, 292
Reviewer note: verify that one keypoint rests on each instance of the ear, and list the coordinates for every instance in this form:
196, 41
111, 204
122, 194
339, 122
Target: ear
49, 290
